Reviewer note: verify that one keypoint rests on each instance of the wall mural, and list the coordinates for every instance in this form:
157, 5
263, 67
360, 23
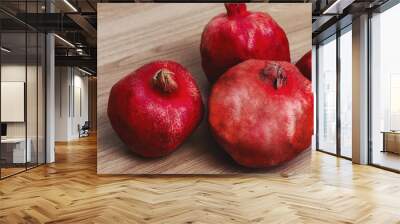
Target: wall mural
204, 88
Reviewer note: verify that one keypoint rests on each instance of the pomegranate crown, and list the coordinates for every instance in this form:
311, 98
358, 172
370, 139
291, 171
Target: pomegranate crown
276, 74
234, 9
163, 81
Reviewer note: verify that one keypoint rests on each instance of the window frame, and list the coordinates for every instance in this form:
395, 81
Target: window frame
336, 38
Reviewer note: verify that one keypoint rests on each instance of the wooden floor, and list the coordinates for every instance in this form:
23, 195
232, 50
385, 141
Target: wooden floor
69, 191
5, 172
8, 171
387, 159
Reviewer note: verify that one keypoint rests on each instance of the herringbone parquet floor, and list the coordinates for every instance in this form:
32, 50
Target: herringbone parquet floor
69, 191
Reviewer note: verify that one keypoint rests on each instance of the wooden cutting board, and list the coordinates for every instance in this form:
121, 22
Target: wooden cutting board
131, 35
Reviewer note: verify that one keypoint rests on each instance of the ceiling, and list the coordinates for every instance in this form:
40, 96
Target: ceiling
332, 15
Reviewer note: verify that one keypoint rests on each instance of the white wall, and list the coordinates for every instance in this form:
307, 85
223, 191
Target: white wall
33, 127
62, 81
70, 83
79, 117
12, 73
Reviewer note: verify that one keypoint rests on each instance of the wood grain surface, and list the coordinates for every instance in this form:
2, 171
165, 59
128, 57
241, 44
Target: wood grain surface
131, 35
70, 192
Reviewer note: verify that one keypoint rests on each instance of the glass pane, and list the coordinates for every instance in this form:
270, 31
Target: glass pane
314, 88
385, 84
41, 98
346, 94
327, 96
32, 89
13, 88
32, 98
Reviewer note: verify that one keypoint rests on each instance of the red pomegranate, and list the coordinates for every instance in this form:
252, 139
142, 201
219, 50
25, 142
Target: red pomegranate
261, 112
304, 65
238, 35
155, 108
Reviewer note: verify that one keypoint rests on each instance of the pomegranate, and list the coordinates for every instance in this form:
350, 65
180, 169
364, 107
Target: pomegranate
261, 112
155, 108
304, 65
238, 35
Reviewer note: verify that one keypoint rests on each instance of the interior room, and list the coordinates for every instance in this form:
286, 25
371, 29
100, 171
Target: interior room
52, 80
22, 100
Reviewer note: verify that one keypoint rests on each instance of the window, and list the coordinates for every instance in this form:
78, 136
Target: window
346, 92
385, 89
327, 96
